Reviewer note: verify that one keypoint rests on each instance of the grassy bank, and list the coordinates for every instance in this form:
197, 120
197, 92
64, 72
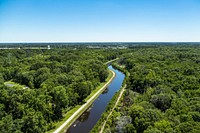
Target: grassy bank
99, 87
97, 127
71, 112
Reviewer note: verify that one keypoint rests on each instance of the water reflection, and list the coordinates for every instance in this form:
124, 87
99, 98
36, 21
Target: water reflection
105, 91
84, 116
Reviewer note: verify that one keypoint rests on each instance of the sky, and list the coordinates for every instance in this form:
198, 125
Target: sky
99, 21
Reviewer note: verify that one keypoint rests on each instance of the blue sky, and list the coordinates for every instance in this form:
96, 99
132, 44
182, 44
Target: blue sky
99, 20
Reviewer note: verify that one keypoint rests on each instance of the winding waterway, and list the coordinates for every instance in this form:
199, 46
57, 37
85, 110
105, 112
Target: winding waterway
89, 118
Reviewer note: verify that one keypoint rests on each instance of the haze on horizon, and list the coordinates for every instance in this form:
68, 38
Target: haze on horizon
99, 21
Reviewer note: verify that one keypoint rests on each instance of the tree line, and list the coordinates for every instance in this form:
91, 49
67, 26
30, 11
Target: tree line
163, 91
56, 80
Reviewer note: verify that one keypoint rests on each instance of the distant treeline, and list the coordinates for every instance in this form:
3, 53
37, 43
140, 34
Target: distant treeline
99, 44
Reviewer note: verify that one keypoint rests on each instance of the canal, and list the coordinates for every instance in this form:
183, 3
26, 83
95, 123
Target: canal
89, 118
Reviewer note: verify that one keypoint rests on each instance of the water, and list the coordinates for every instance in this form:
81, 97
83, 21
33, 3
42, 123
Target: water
89, 118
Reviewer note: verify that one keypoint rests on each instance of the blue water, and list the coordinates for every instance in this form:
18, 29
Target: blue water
87, 120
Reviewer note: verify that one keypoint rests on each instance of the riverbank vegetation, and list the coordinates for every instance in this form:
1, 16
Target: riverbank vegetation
163, 91
97, 127
38, 87
49, 84
115, 114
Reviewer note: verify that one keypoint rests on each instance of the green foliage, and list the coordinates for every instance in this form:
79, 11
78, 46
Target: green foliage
163, 89
48, 83
1, 78
130, 128
161, 101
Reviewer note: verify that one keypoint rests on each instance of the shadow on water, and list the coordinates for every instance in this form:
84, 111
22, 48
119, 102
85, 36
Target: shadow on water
89, 118
85, 115
105, 91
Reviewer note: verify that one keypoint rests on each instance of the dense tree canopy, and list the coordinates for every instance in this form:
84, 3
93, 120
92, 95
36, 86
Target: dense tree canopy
162, 90
38, 86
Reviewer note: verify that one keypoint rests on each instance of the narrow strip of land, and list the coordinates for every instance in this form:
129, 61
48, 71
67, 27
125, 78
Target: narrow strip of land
120, 95
84, 106
111, 61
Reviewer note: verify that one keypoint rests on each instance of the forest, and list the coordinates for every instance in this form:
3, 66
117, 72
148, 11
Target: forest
37, 87
163, 91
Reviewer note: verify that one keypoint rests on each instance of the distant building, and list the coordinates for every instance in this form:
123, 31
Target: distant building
48, 47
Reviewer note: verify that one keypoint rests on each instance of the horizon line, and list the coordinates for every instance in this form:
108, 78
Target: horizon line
109, 42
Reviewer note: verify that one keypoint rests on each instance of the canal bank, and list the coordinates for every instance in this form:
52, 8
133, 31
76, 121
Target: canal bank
76, 114
90, 117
